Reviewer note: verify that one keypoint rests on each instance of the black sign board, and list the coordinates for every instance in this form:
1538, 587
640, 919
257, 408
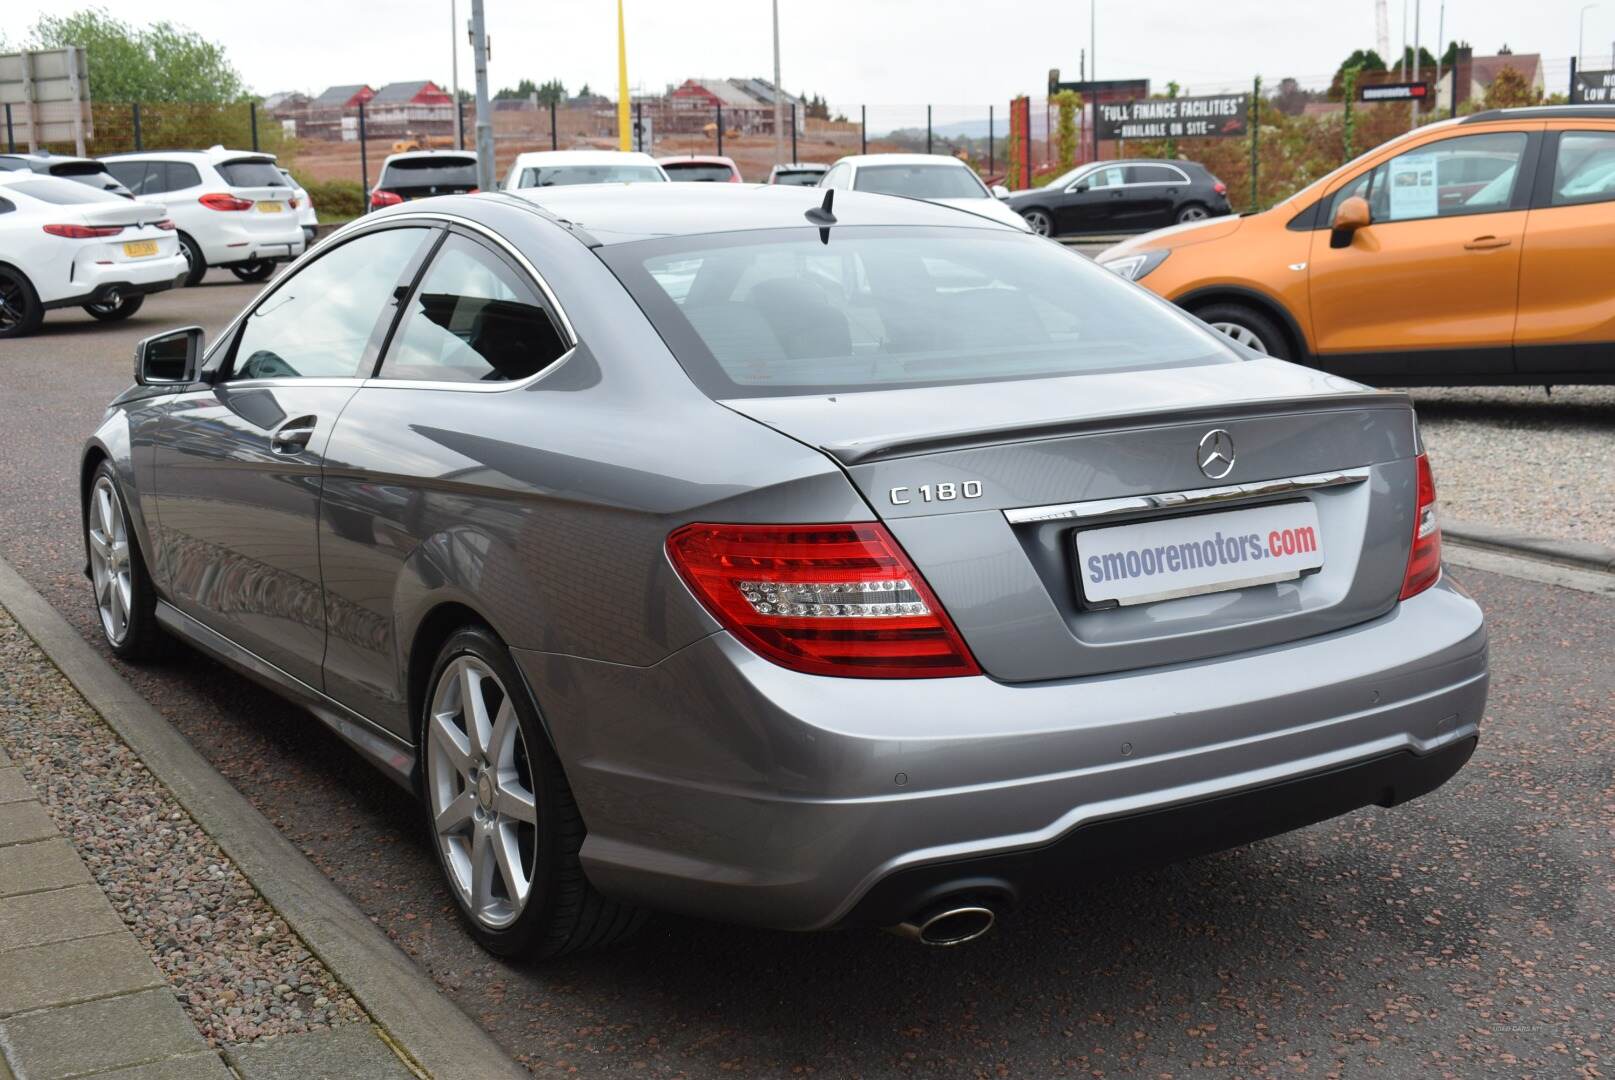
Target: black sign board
1213, 117
1593, 88
1396, 91
1101, 90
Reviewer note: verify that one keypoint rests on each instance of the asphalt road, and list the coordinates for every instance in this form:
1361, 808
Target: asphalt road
1466, 934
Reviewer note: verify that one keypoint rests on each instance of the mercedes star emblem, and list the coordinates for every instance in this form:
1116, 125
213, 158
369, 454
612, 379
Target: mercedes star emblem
1216, 456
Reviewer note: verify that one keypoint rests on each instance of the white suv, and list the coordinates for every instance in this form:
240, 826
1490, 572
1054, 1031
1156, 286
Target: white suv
233, 208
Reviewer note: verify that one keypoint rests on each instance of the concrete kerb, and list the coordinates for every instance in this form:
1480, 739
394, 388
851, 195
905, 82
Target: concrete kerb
1576, 553
440, 1039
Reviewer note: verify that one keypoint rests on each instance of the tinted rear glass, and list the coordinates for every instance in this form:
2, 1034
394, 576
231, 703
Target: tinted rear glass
920, 181
696, 170
799, 177
778, 312
458, 173
251, 174
63, 193
568, 175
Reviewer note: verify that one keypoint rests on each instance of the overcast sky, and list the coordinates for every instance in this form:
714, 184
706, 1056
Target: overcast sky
895, 52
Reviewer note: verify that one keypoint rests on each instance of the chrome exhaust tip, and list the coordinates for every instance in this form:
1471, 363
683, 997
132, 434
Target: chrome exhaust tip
948, 925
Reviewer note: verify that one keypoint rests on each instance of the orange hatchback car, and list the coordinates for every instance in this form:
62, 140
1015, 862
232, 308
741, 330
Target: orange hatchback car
1473, 251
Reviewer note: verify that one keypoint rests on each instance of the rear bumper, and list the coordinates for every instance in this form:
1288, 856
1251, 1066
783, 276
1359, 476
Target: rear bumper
720, 784
228, 243
115, 279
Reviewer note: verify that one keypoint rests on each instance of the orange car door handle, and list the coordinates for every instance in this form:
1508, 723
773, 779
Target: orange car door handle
1483, 243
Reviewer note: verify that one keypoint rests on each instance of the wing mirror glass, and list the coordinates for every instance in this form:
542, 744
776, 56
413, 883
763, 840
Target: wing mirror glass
169, 359
1352, 214
1000, 191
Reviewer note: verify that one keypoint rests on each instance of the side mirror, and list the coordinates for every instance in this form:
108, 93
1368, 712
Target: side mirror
1352, 214
1079, 187
169, 359
1000, 191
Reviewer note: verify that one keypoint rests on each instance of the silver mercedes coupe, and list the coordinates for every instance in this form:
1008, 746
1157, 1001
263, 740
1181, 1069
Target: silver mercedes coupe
787, 558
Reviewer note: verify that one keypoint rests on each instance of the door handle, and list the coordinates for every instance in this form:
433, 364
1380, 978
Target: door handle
1486, 243
292, 437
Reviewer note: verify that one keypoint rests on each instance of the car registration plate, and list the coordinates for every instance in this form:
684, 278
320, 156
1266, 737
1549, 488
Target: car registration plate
1148, 561
139, 249
269, 208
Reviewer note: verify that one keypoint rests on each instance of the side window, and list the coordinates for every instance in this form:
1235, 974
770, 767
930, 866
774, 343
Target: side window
473, 319
1153, 174
317, 323
1114, 176
1585, 169
131, 174
1472, 174
836, 177
181, 175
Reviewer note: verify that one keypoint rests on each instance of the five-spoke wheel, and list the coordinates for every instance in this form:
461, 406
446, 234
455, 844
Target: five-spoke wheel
111, 571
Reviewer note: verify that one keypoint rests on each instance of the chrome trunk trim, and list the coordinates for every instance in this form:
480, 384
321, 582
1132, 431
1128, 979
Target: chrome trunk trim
1175, 500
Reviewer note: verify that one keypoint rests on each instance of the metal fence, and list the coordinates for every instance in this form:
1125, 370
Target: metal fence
1292, 136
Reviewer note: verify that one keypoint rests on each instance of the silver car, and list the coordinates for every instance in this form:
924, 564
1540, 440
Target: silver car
787, 558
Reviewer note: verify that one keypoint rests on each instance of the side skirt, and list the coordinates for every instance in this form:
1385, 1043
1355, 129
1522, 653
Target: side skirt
380, 747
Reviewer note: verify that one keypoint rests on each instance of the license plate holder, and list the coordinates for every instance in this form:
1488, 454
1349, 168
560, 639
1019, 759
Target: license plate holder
269, 208
140, 249
1155, 559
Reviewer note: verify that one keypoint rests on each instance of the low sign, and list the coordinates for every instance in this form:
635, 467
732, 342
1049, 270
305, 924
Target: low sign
1400, 91
48, 92
1213, 117
1593, 88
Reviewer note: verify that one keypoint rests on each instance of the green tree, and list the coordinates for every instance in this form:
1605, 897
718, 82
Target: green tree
519, 92
1361, 60
551, 92
1509, 90
159, 62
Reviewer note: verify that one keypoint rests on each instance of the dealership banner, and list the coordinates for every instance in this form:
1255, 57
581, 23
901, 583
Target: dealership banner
1396, 91
1593, 88
1212, 117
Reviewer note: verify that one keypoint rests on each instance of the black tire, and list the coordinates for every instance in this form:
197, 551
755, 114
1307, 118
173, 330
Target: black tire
1274, 341
143, 638
259, 270
193, 255
563, 912
1040, 220
20, 309
1193, 212
125, 307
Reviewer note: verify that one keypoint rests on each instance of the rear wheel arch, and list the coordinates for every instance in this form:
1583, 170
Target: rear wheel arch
438, 625
1197, 301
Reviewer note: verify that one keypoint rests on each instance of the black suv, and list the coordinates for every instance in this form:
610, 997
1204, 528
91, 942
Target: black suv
1107, 197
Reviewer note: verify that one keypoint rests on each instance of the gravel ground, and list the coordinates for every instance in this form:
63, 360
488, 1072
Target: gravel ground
236, 967
1516, 457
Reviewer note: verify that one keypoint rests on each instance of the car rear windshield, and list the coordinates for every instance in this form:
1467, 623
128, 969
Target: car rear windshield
779, 312
63, 192
251, 173
798, 177
698, 170
434, 172
568, 175
920, 181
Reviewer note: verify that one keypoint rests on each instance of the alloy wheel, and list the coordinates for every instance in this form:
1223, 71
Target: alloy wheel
1193, 213
1242, 334
111, 570
479, 781
13, 302
1039, 221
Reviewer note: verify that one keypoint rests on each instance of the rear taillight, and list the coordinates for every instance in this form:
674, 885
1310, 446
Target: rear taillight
83, 232
824, 599
1424, 562
734, 178
378, 199
220, 201
1220, 188
165, 224
292, 202
474, 191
